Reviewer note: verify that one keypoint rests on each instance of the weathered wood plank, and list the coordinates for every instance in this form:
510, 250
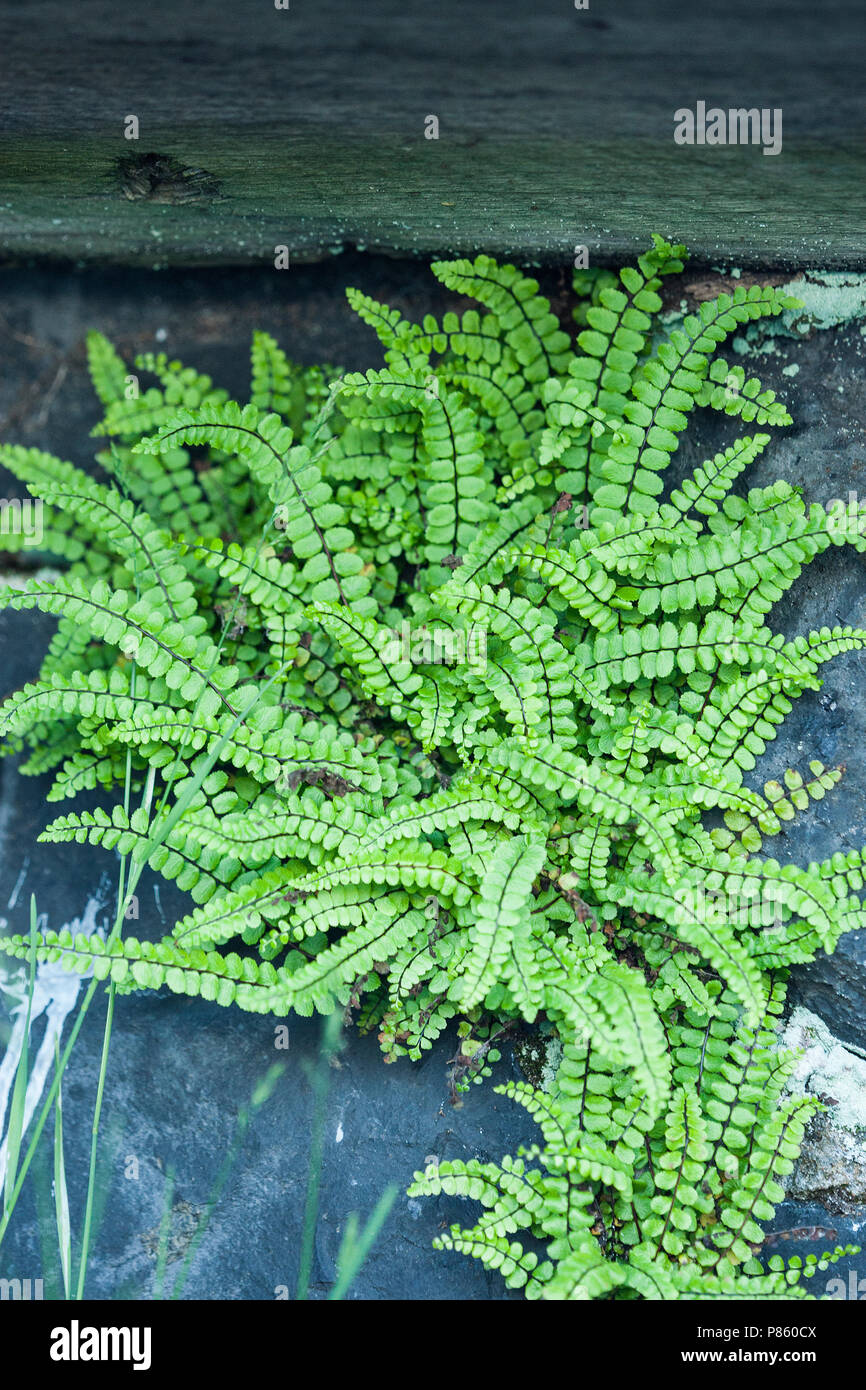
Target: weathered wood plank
534, 200
555, 130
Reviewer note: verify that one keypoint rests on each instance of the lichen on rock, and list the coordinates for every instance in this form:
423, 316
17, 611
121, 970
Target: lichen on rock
832, 1165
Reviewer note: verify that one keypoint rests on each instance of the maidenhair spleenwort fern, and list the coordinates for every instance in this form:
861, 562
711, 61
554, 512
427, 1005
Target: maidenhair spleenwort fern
631, 1208
429, 691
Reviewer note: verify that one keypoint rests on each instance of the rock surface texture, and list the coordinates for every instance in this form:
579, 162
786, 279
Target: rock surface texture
832, 1166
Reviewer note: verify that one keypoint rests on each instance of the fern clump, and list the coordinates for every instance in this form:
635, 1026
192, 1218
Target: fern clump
631, 1207
426, 690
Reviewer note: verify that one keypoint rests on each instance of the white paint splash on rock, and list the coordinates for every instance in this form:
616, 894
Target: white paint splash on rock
55, 995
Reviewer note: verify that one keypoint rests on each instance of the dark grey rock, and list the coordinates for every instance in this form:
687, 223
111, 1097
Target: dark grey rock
179, 1072
807, 1228
834, 987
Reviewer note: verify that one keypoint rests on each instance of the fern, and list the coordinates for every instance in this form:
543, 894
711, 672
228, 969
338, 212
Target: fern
634, 1207
433, 685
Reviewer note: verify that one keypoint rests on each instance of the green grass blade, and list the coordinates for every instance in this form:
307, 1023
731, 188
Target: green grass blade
354, 1249
261, 1093
164, 1230
94, 1145
320, 1081
19, 1091
61, 1195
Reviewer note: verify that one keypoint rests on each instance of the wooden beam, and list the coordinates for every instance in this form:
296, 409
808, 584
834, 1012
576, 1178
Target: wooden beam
309, 124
